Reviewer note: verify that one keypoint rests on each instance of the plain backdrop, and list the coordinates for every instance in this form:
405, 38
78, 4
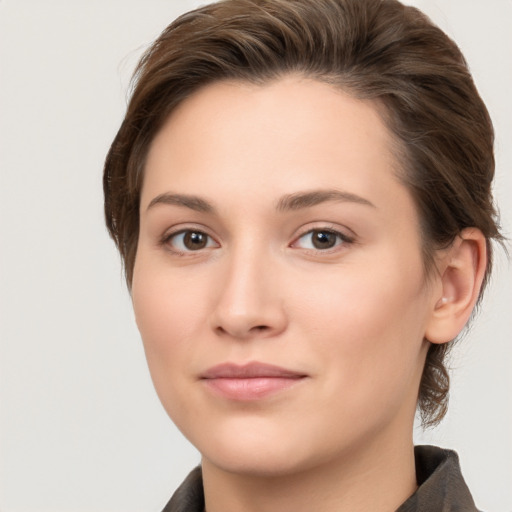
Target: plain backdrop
81, 429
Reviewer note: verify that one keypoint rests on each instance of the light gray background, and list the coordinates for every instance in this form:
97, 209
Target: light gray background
80, 425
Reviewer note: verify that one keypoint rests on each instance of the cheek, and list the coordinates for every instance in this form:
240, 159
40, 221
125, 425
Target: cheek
362, 301
168, 313
368, 325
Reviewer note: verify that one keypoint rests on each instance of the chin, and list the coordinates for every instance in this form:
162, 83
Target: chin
263, 450
256, 462
248, 447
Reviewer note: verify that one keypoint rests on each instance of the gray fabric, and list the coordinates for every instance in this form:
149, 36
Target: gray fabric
441, 486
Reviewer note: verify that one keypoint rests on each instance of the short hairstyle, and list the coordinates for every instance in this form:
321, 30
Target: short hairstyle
372, 49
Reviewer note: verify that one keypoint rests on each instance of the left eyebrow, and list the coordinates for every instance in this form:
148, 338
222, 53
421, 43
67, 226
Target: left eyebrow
308, 199
185, 200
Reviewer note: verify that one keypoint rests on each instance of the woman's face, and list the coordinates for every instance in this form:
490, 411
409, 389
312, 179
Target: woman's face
278, 284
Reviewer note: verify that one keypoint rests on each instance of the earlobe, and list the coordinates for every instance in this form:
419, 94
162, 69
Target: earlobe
461, 274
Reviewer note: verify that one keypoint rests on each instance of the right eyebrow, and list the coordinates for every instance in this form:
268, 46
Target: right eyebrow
188, 201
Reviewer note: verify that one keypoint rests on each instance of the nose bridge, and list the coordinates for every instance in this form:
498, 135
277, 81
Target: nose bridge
249, 300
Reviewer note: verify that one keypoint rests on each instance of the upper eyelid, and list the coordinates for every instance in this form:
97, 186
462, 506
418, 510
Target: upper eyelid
344, 231
176, 230
343, 237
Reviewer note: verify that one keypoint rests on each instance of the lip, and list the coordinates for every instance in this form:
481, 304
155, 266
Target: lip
248, 382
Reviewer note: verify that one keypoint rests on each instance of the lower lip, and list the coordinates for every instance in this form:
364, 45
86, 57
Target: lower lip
247, 389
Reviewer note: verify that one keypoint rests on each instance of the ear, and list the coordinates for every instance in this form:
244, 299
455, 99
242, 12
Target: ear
461, 273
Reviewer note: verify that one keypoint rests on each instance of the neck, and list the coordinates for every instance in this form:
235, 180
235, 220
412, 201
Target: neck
366, 479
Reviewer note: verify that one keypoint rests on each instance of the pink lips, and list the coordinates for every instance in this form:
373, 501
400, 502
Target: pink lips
252, 381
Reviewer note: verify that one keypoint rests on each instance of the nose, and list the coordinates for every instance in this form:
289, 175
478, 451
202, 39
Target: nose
250, 300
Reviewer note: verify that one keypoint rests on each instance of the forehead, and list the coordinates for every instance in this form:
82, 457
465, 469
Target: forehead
292, 133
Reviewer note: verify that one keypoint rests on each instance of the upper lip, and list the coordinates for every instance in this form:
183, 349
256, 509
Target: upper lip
249, 371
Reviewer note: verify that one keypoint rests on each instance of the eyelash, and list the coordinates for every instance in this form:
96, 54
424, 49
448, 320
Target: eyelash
341, 239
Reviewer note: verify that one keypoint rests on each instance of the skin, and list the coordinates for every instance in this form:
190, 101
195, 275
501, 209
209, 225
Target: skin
351, 318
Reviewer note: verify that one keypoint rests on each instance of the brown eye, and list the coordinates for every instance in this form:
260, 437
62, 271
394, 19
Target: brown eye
190, 240
194, 240
321, 239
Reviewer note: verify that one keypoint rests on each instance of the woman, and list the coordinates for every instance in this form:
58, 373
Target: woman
300, 192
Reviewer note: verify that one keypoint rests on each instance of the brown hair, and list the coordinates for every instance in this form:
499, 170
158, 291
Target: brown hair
373, 49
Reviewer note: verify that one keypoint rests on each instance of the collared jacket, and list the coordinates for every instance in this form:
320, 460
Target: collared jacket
441, 487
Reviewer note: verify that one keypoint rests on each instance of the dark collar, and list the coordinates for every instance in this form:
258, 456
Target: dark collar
441, 487
189, 497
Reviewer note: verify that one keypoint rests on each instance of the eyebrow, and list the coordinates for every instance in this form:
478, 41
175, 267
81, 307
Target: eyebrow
290, 202
193, 202
308, 199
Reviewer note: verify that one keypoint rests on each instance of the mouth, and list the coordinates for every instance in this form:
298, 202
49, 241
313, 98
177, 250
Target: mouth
252, 381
